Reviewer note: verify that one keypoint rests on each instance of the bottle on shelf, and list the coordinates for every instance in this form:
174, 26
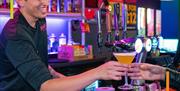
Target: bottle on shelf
73, 6
53, 5
1, 2
61, 4
69, 6
7, 3
62, 39
53, 44
77, 4
4, 4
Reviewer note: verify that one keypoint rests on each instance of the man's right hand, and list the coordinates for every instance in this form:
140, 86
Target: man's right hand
146, 71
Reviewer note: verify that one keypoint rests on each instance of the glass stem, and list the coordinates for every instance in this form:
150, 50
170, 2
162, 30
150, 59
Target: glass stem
126, 79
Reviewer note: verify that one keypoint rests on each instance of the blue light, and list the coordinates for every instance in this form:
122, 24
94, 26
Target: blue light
3, 20
57, 26
54, 24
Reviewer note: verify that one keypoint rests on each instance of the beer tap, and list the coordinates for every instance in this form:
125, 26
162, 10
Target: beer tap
100, 36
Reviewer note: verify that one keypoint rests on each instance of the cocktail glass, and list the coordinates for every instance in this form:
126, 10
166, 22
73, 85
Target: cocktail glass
125, 58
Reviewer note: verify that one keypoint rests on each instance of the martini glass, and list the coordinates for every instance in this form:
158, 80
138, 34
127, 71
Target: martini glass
125, 58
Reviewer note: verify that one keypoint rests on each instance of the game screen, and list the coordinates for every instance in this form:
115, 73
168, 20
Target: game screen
158, 22
141, 22
150, 22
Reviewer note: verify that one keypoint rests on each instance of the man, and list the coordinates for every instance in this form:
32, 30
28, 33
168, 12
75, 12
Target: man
154, 72
23, 55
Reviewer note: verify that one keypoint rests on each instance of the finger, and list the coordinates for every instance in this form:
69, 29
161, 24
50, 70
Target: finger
134, 70
116, 75
135, 65
134, 74
120, 69
116, 78
136, 78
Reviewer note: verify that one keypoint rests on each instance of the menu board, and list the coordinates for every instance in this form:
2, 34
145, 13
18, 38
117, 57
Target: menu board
141, 22
158, 22
131, 17
150, 22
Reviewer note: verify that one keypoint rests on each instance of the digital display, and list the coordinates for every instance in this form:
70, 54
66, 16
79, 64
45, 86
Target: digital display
158, 22
141, 22
150, 22
167, 46
91, 3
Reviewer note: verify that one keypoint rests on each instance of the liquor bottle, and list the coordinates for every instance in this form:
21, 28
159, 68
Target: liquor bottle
61, 6
62, 39
1, 2
54, 6
4, 4
69, 6
7, 3
52, 40
73, 6
77, 6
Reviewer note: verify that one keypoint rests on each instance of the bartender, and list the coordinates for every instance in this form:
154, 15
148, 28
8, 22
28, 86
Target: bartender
24, 56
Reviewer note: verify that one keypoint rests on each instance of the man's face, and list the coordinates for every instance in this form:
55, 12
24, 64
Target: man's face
36, 8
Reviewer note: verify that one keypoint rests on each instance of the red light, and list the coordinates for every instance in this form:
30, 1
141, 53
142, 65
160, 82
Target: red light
90, 13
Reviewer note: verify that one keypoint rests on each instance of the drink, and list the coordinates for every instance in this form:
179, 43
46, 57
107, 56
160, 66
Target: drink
125, 58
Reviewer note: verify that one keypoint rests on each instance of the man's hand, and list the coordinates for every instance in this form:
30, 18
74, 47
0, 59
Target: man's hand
54, 73
146, 71
111, 70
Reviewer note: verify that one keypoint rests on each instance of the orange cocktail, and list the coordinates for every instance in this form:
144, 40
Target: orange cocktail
125, 58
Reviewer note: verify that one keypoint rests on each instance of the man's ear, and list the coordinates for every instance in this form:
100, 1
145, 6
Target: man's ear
20, 3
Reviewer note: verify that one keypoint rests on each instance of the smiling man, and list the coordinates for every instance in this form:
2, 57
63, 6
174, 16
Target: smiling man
23, 55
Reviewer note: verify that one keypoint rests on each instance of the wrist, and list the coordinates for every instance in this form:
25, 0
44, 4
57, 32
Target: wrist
163, 74
95, 74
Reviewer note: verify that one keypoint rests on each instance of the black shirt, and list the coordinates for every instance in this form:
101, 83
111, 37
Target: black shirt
23, 55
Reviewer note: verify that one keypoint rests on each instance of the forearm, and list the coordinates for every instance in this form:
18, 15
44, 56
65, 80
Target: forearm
72, 83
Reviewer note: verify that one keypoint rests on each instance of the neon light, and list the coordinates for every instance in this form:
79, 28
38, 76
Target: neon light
11, 9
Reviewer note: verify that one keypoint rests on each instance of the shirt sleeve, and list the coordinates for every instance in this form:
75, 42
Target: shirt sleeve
177, 56
24, 58
174, 78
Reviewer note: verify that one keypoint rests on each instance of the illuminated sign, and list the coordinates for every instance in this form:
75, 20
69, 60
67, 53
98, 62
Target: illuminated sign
131, 17
150, 22
141, 22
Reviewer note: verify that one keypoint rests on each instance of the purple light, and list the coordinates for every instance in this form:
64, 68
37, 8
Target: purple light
3, 20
